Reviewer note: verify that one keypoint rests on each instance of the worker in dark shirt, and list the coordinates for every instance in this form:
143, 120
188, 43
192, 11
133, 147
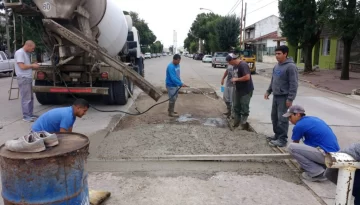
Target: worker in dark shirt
244, 88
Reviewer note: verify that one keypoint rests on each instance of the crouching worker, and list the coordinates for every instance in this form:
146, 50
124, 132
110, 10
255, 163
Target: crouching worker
229, 89
61, 119
319, 139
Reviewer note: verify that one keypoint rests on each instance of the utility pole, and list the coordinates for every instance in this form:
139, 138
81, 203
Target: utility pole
241, 22
244, 24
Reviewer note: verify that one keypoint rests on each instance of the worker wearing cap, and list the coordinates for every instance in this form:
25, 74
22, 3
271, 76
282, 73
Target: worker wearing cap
318, 139
244, 88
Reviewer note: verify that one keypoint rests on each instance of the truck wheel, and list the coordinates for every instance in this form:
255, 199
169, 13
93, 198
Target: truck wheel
120, 92
48, 98
131, 87
108, 99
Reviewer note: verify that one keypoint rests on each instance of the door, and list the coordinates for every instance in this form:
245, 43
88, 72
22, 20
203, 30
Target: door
4, 66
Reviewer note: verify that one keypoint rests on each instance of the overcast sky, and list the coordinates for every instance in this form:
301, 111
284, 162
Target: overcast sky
164, 16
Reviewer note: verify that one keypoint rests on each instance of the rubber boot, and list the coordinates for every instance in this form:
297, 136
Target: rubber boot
237, 121
244, 124
171, 110
228, 107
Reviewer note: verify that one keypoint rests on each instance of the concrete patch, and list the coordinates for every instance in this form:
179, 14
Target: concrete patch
221, 188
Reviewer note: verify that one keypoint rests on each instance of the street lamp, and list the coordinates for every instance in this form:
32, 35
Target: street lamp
206, 9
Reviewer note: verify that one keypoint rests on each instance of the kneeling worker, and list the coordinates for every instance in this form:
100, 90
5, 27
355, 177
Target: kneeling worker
319, 139
61, 119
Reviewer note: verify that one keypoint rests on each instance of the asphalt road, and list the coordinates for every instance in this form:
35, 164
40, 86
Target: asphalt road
339, 111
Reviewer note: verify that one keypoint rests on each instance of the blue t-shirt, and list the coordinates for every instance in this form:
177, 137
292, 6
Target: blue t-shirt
55, 119
316, 133
173, 76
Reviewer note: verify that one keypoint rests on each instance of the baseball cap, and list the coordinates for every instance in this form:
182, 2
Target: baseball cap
230, 57
294, 110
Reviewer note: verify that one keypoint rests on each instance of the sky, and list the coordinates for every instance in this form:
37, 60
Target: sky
165, 16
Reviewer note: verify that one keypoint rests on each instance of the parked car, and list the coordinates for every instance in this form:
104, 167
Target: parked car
219, 59
158, 55
199, 56
207, 59
6, 65
147, 55
164, 54
153, 55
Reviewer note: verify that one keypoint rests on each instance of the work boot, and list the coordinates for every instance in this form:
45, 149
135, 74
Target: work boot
228, 107
277, 143
237, 121
244, 124
171, 110
27, 143
272, 138
318, 178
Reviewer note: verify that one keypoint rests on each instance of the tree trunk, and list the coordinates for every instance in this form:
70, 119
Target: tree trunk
345, 61
308, 58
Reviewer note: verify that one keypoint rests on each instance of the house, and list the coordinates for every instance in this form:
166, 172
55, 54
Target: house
328, 52
264, 36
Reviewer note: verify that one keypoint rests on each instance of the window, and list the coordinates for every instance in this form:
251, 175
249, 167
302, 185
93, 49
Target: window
326, 46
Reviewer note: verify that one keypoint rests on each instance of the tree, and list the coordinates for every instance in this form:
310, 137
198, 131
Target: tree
344, 18
228, 31
301, 23
193, 47
204, 27
147, 37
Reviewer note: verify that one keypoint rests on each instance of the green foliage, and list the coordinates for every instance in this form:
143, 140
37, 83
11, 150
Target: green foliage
218, 33
302, 23
344, 19
147, 37
228, 31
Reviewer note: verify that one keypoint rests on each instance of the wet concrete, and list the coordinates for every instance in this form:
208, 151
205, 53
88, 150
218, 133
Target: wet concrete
200, 129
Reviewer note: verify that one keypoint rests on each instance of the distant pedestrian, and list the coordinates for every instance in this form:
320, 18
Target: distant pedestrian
284, 85
319, 139
173, 83
229, 89
244, 88
23, 70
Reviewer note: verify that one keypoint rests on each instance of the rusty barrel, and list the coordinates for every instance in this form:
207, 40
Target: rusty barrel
56, 176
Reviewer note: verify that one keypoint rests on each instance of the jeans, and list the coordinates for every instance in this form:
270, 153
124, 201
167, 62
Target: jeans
280, 123
242, 105
310, 159
27, 97
171, 93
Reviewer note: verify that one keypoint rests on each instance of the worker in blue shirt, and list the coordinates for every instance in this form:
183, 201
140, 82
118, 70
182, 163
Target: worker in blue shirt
173, 82
319, 139
61, 119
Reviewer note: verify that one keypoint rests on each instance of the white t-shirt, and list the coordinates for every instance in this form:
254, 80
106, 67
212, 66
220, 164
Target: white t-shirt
22, 57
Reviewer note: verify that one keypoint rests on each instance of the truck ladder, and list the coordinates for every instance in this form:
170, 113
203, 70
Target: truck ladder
76, 37
12, 84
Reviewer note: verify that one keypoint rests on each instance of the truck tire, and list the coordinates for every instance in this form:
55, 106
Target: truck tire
108, 99
49, 98
119, 91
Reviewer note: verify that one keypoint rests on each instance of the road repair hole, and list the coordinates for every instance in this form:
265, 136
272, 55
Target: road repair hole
120, 165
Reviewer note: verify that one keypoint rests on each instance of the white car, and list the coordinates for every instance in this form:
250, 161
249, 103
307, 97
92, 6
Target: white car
207, 59
147, 55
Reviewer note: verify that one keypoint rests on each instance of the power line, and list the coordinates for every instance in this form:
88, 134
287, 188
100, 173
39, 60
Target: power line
262, 7
235, 6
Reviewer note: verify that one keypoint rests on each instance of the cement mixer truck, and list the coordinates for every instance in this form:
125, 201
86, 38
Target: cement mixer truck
95, 50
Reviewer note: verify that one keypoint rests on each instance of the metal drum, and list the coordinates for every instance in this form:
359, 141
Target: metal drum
56, 176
